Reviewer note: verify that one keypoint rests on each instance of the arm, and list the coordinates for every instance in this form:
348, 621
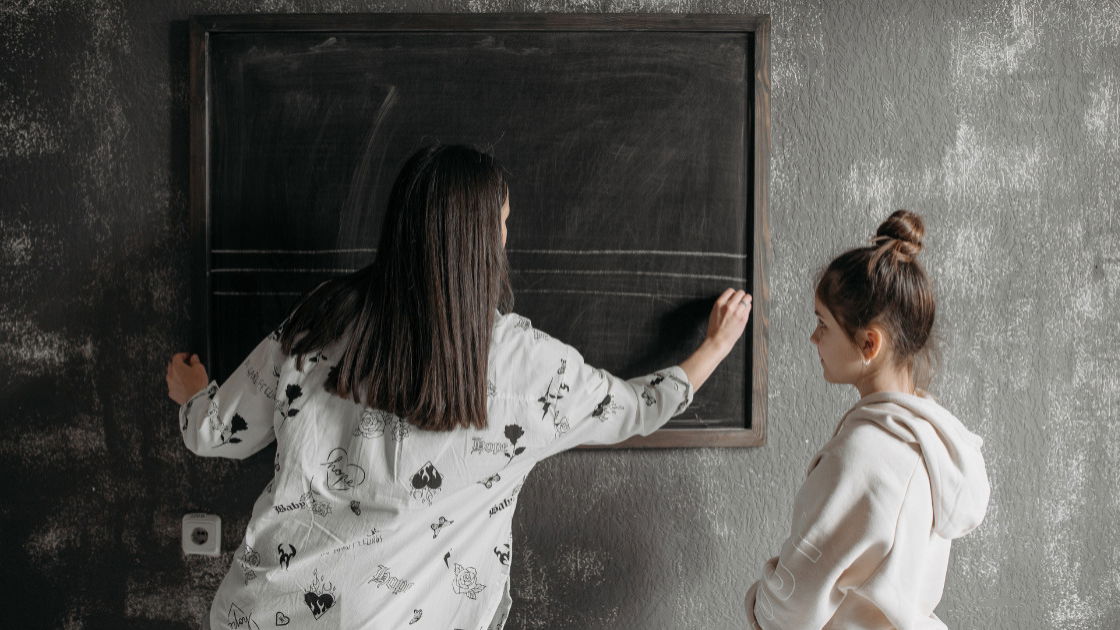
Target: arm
590, 406
235, 419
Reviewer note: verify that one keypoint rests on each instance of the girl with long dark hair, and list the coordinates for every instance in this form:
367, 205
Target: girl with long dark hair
408, 405
901, 477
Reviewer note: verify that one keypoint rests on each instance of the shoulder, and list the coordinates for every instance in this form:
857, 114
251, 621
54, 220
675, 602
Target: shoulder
864, 454
523, 355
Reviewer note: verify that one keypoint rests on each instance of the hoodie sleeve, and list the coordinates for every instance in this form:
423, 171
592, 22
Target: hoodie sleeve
235, 419
844, 520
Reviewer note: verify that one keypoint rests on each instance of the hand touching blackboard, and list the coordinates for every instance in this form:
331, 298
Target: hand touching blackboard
186, 376
725, 325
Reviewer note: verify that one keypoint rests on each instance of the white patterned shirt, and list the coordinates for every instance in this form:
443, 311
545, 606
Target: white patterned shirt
371, 522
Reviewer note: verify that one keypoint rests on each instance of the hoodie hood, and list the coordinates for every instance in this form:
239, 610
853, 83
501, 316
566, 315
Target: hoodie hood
951, 453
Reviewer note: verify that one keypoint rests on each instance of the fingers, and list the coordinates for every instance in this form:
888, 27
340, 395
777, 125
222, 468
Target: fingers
725, 297
194, 359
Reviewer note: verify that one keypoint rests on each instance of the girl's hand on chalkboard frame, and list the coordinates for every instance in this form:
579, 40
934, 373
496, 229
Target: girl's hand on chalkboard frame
186, 376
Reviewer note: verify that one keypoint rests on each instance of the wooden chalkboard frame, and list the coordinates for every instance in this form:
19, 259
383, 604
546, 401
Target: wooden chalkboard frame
756, 147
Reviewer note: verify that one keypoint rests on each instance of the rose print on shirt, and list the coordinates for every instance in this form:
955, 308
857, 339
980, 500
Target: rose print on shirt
315, 502
514, 432
225, 430
426, 482
375, 423
250, 560
466, 581
291, 393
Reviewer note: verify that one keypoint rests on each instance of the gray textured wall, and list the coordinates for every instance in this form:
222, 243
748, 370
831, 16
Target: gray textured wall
1000, 121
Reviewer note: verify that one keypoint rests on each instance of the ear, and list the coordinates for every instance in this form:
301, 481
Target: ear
871, 341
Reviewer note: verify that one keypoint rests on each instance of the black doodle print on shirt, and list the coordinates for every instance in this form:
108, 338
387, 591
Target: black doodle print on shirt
291, 393
466, 582
320, 596
341, 474
375, 423
250, 560
356, 508
236, 619
416, 615
606, 409
550, 398
514, 432
313, 500
426, 482
395, 585
503, 554
282, 619
438, 526
491, 389
211, 391
647, 395
226, 431
285, 556
446, 557
491, 480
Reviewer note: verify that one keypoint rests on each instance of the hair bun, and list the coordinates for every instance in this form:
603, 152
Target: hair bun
902, 232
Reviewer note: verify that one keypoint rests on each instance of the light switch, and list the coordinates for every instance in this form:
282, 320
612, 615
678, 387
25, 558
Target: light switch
202, 534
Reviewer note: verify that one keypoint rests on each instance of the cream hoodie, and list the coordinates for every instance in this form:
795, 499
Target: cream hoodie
872, 524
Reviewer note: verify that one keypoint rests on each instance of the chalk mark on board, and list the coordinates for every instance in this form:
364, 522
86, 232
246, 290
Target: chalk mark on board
294, 251
623, 272
628, 252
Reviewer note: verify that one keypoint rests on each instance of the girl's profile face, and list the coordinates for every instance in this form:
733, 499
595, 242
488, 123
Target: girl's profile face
840, 358
505, 215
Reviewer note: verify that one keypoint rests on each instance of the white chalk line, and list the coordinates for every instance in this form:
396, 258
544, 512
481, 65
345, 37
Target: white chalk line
584, 272
293, 251
659, 296
627, 252
565, 252
622, 272
274, 270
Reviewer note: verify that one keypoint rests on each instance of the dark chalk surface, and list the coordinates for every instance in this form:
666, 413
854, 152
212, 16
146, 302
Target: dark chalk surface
629, 188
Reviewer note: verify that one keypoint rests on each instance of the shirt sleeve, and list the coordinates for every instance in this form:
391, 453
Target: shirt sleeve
236, 419
843, 528
588, 405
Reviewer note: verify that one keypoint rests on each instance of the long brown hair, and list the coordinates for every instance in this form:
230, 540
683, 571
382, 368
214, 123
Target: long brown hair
419, 317
885, 284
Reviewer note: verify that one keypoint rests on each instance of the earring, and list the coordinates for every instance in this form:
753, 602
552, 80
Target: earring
866, 362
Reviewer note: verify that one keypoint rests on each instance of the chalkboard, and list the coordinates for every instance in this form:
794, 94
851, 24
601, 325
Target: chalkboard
637, 147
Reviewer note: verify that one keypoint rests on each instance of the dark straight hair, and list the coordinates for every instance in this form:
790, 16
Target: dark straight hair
418, 319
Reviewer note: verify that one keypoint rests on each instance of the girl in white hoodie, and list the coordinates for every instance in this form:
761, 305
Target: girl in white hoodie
901, 477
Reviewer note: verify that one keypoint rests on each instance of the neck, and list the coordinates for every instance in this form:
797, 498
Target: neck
885, 380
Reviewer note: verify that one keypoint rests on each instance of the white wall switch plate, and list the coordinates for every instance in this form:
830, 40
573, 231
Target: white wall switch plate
202, 534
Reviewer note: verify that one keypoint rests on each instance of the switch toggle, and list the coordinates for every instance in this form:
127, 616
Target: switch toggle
202, 534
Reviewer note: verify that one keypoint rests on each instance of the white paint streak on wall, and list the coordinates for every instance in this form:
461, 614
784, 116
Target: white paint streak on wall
1102, 117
